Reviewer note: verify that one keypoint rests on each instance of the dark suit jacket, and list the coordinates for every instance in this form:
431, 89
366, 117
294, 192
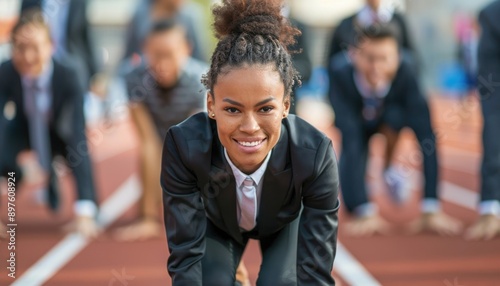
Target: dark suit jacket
79, 42
301, 61
404, 95
404, 105
489, 89
198, 184
67, 121
345, 34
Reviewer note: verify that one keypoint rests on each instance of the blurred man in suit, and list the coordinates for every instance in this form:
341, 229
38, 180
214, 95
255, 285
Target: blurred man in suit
42, 110
163, 90
488, 224
378, 93
70, 33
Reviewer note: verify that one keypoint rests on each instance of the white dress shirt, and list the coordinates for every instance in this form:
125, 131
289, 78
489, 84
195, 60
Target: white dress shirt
491, 207
366, 16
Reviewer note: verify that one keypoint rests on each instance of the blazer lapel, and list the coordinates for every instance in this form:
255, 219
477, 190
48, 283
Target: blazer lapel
16, 94
276, 185
223, 188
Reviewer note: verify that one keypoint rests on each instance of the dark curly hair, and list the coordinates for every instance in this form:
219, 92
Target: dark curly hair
252, 32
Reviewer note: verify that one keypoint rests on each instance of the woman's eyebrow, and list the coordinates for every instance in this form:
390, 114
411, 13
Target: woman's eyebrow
265, 101
232, 102
241, 105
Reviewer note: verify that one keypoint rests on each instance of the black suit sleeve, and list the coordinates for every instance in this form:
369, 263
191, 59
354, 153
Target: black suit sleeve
405, 35
185, 219
28, 4
3, 101
336, 42
301, 60
489, 90
78, 156
317, 240
347, 116
343, 37
88, 43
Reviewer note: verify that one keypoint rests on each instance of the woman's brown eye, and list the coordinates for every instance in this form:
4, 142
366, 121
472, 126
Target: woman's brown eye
267, 109
231, 109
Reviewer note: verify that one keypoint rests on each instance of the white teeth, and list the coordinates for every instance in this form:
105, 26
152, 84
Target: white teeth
249, 144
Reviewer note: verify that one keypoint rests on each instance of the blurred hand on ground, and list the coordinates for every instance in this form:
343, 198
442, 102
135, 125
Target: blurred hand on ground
143, 229
33, 173
486, 227
438, 222
84, 225
367, 226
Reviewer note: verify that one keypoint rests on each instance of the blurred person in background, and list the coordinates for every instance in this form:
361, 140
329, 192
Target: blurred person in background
372, 13
467, 34
42, 111
488, 224
163, 91
300, 59
71, 35
378, 93
186, 12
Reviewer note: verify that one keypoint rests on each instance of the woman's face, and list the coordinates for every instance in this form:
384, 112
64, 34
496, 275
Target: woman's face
248, 104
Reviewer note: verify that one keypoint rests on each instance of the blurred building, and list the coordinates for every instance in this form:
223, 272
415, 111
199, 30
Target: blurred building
431, 23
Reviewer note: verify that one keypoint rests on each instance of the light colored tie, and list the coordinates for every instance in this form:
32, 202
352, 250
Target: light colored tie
38, 125
248, 204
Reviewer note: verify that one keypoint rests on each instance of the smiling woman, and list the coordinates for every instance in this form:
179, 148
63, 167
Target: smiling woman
248, 169
250, 102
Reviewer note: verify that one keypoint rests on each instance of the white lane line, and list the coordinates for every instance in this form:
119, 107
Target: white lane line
351, 270
458, 195
123, 198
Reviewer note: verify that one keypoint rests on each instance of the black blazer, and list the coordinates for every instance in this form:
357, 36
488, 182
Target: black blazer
198, 184
489, 89
404, 95
67, 120
79, 42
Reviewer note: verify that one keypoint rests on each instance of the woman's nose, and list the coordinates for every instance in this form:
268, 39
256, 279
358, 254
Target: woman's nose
249, 124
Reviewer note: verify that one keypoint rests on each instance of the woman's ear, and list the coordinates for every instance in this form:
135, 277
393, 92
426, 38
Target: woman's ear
286, 105
210, 104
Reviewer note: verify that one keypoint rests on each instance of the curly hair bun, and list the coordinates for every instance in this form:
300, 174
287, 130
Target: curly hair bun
254, 17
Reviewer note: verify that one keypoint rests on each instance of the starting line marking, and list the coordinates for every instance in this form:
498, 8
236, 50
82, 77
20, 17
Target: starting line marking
123, 198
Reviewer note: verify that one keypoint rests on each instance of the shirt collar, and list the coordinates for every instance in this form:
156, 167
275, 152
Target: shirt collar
384, 14
256, 176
